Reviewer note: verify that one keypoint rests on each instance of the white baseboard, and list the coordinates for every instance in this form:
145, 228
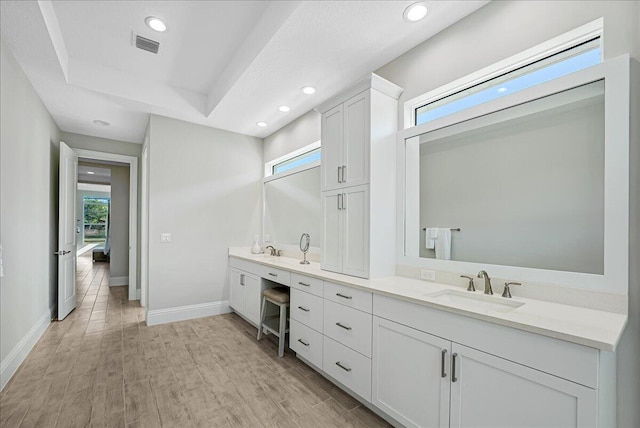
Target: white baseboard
182, 313
18, 354
118, 280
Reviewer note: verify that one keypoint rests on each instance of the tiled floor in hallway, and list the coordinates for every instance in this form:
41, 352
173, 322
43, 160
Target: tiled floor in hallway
103, 367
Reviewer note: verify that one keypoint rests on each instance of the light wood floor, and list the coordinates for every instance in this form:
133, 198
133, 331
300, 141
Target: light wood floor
103, 367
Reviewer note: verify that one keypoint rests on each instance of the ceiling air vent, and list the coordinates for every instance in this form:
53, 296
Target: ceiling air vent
147, 44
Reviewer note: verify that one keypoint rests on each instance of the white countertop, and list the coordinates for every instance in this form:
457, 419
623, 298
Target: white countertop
589, 327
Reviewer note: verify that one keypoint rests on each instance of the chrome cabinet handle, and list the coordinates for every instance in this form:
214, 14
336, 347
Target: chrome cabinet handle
453, 368
61, 252
340, 201
302, 308
241, 279
343, 296
344, 173
344, 201
339, 172
443, 372
273, 274
304, 283
346, 327
345, 368
303, 342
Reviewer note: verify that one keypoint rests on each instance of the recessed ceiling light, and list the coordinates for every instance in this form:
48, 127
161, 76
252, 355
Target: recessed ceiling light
101, 122
415, 12
90, 172
261, 124
502, 90
284, 109
309, 90
155, 24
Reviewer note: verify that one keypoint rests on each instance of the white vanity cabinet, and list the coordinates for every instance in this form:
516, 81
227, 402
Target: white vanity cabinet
358, 179
245, 294
426, 380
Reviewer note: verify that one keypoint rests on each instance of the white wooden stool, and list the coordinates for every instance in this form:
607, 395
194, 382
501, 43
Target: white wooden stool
278, 296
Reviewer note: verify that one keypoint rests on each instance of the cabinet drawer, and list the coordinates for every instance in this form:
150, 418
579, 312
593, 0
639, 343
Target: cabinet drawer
246, 266
347, 367
276, 275
348, 326
352, 297
306, 342
307, 309
308, 284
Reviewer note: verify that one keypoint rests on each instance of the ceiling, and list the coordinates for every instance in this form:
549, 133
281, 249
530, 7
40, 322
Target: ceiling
223, 64
93, 174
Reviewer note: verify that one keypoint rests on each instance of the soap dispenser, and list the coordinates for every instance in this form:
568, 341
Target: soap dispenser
256, 249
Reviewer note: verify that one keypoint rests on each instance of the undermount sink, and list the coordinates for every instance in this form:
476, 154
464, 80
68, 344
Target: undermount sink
473, 301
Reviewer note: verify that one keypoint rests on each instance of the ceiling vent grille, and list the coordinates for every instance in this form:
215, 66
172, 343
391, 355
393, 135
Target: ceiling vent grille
147, 44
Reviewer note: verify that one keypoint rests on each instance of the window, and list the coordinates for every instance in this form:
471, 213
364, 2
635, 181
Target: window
303, 159
96, 218
565, 54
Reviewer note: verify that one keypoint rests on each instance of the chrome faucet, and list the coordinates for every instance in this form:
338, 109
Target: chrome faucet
272, 251
487, 282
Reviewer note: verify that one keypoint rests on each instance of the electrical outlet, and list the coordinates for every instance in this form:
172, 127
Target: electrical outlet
165, 238
428, 275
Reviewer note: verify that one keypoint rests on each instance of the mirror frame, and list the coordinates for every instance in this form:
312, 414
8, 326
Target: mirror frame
616, 76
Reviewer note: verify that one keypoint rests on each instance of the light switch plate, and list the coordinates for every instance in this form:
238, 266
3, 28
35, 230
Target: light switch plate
429, 275
165, 237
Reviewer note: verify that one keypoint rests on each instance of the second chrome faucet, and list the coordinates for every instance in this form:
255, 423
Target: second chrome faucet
487, 282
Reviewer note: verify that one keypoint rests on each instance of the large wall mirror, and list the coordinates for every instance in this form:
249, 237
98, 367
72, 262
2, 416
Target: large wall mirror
533, 187
292, 207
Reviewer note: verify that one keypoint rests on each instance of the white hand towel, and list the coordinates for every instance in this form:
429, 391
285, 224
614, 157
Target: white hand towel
430, 237
443, 244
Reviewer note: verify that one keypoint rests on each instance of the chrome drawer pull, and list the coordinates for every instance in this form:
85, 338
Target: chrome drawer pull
273, 274
443, 370
304, 283
339, 364
302, 308
303, 342
343, 296
343, 326
453, 368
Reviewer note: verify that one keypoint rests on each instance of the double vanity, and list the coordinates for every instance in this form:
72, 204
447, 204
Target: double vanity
427, 354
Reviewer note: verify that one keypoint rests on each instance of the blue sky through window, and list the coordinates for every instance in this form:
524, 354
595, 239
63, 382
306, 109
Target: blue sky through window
303, 159
542, 75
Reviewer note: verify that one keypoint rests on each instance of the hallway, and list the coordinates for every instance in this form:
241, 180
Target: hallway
103, 367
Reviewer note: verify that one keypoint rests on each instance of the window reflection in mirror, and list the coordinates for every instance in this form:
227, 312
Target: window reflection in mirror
525, 185
293, 207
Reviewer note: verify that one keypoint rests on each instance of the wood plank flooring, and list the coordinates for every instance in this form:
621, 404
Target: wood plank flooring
103, 367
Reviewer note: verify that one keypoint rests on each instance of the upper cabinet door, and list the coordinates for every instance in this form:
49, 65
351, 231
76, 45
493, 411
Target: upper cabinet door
357, 138
332, 148
493, 392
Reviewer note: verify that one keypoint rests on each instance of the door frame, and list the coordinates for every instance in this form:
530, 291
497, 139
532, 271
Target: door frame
133, 209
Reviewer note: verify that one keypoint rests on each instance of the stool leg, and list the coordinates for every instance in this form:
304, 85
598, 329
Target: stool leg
283, 329
262, 313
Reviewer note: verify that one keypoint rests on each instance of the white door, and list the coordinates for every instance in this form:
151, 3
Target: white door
236, 290
411, 375
332, 225
68, 184
332, 148
357, 139
488, 391
252, 297
355, 209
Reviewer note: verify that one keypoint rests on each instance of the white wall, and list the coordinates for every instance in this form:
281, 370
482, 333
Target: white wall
299, 133
205, 188
27, 133
119, 255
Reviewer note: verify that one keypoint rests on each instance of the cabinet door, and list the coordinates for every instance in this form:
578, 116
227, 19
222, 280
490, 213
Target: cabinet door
411, 375
357, 138
356, 231
332, 148
253, 297
493, 392
332, 226
236, 290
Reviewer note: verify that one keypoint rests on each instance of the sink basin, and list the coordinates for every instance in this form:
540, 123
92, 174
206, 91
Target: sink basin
476, 302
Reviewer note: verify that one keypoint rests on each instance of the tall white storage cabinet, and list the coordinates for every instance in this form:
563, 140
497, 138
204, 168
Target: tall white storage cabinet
358, 179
